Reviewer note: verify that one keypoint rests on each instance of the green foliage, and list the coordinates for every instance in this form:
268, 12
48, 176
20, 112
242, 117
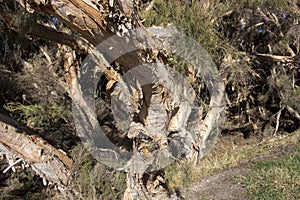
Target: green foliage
275, 179
198, 22
178, 63
94, 180
179, 175
36, 115
204, 24
23, 183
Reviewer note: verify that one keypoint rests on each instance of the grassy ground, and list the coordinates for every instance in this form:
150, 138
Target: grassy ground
269, 169
274, 179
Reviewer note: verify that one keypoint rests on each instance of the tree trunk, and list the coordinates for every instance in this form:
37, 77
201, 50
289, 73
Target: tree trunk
154, 103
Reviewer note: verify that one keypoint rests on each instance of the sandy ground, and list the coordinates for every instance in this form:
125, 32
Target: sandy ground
218, 186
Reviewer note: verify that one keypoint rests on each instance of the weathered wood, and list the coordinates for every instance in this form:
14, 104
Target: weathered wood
74, 16
17, 140
30, 27
163, 106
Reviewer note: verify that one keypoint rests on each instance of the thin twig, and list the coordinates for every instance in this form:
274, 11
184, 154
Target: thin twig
276, 57
87, 28
46, 54
277, 120
293, 111
12, 165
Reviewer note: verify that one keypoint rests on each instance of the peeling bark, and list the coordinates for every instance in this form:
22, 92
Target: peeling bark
157, 107
19, 141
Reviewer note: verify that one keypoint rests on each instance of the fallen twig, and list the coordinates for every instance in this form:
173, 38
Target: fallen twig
12, 165
276, 57
277, 120
293, 111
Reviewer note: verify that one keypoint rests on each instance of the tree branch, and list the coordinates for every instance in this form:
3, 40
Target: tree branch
18, 140
41, 31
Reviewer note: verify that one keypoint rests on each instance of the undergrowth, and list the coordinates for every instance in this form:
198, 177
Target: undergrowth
228, 154
93, 180
197, 22
36, 115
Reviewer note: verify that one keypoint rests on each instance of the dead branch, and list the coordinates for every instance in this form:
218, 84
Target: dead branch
276, 57
48, 33
71, 13
278, 120
293, 111
47, 161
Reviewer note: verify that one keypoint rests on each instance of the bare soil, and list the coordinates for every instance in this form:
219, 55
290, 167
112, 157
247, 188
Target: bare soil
220, 186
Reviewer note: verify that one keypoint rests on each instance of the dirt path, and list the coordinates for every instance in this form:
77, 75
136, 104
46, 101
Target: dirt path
218, 186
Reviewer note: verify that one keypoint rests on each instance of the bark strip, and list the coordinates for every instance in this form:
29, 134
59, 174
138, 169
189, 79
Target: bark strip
21, 142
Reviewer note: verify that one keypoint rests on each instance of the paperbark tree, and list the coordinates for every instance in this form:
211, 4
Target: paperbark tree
157, 113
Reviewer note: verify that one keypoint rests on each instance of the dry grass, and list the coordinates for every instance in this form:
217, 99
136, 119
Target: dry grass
229, 152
